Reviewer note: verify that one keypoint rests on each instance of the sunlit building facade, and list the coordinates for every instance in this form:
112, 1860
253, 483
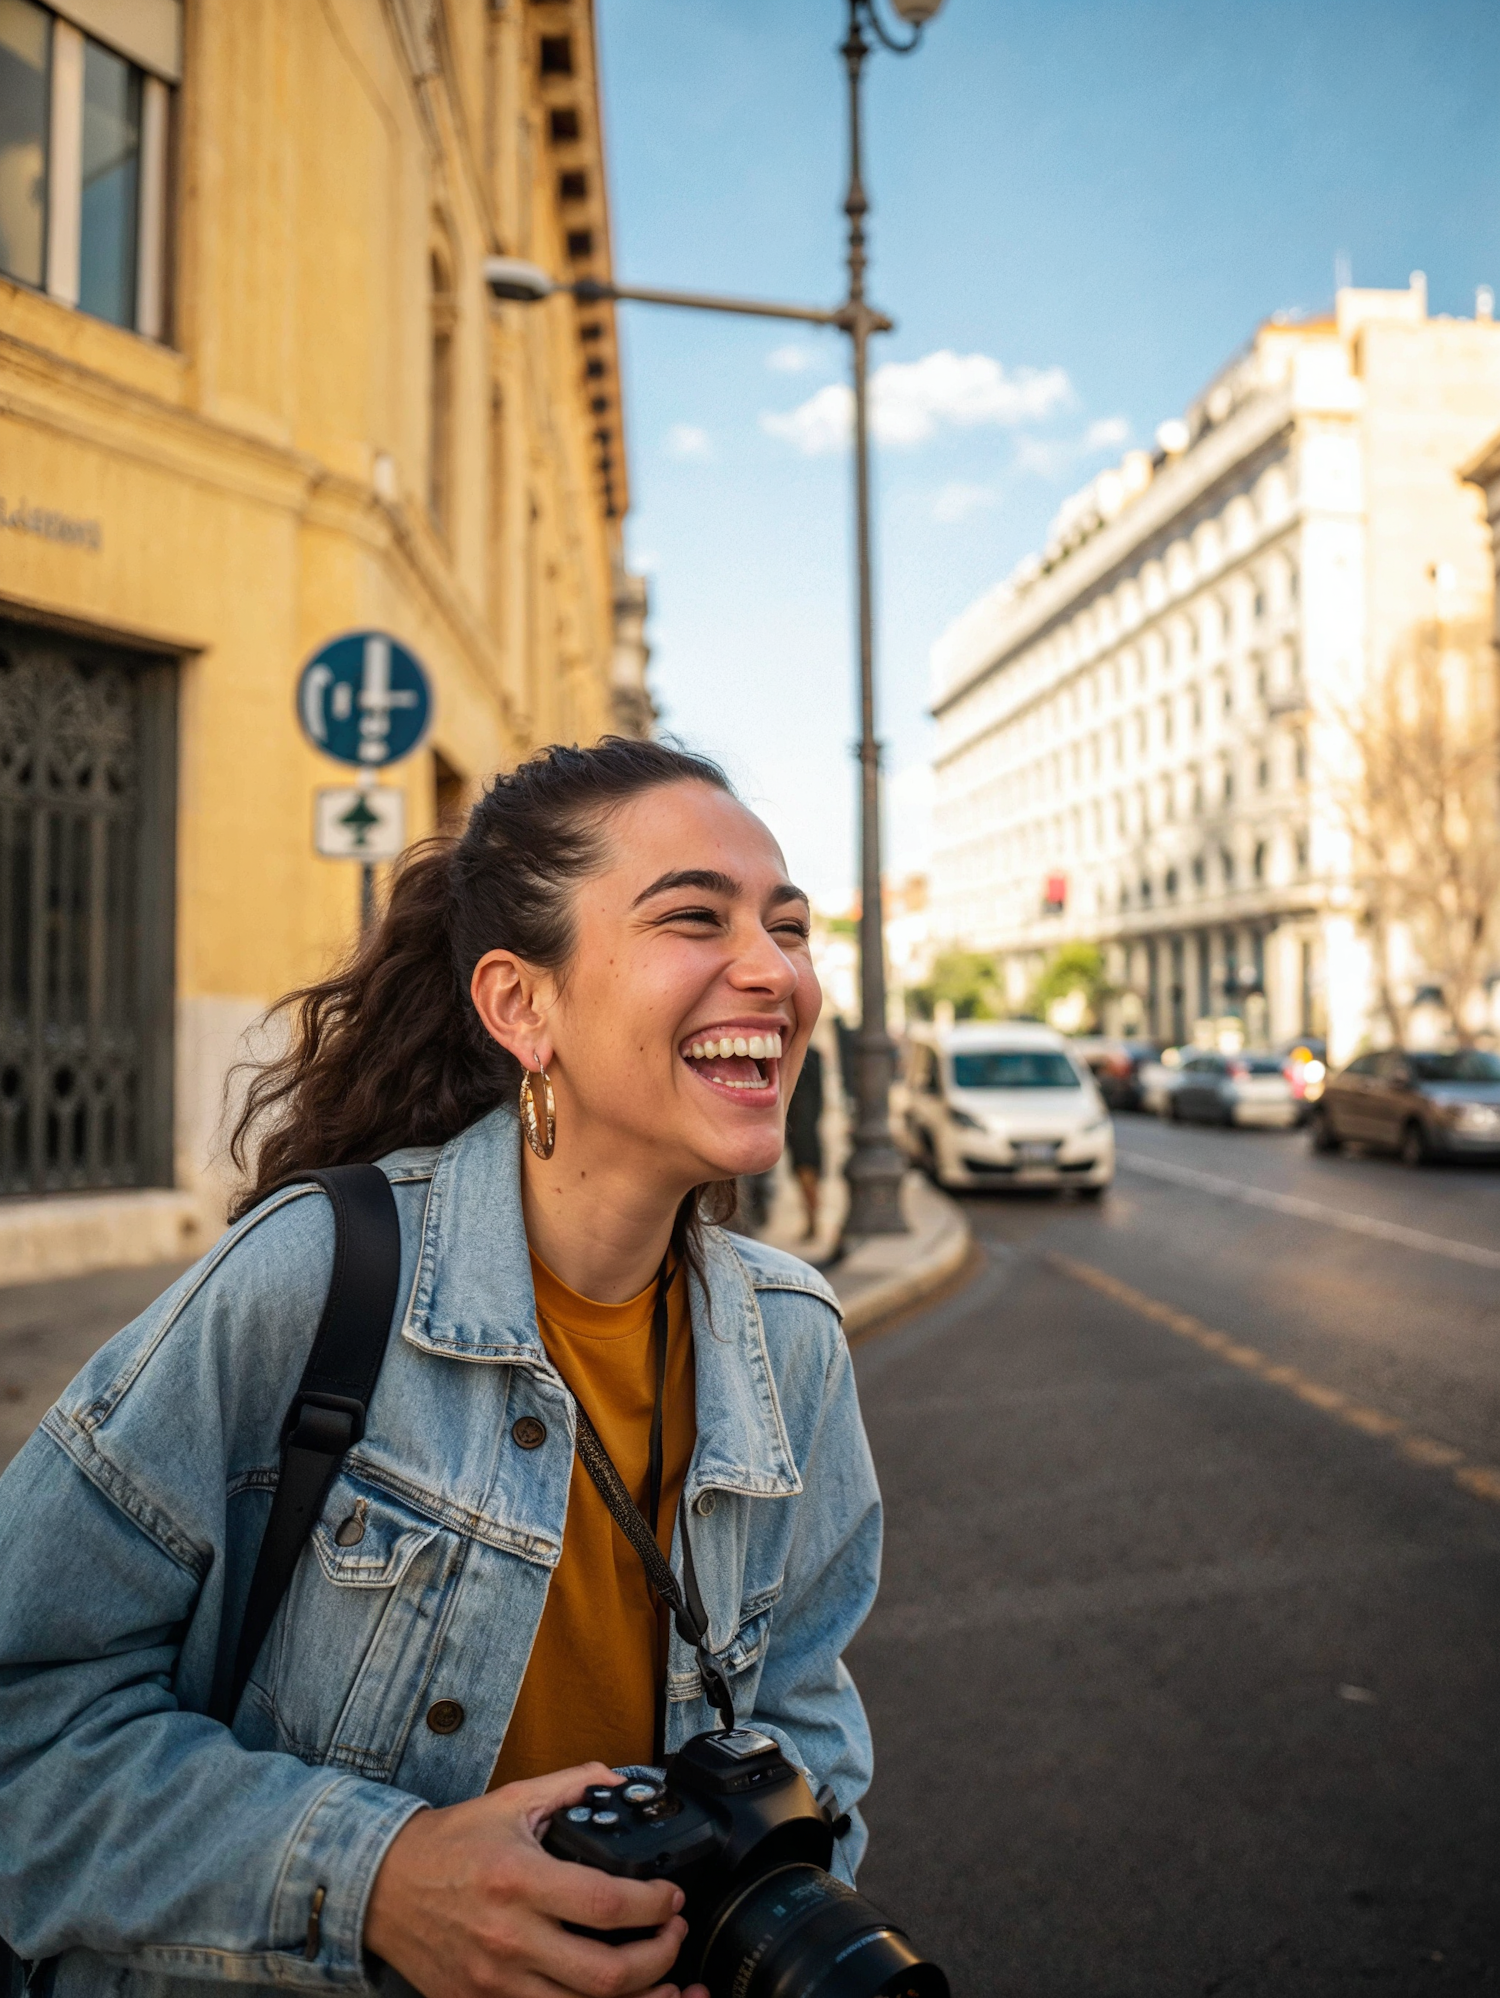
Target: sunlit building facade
254, 394
1141, 734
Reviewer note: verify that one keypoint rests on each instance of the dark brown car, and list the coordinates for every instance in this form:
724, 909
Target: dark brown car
1416, 1102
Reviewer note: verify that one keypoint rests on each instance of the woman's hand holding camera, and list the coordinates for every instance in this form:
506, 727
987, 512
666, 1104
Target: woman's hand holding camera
467, 1905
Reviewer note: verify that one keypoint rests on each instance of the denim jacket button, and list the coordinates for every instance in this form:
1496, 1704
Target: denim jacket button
445, 1716
529, 1433
704, 1503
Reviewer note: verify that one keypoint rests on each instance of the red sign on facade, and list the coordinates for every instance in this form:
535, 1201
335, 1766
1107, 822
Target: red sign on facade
1056, 894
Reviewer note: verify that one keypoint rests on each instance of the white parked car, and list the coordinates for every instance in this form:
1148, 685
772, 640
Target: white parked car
992, 1104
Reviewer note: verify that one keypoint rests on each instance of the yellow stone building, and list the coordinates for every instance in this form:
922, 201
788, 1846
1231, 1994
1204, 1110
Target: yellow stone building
253, 395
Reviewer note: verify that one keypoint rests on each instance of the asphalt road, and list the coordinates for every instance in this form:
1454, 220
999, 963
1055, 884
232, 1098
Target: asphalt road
1184, 1673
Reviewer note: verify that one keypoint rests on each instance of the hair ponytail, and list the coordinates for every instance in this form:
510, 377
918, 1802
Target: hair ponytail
388, 1051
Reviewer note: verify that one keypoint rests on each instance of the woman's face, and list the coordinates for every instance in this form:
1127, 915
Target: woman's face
690, 970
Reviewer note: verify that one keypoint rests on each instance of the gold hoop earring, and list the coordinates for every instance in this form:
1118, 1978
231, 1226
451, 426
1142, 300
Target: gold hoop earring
540, 1129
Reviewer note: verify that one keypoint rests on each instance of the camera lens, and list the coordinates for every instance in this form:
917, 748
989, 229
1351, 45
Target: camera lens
799, 1933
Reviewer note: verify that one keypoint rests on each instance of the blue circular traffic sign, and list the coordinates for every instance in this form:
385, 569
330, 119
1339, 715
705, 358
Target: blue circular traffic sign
364, 699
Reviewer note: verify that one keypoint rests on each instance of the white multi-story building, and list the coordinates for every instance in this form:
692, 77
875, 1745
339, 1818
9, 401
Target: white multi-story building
1140, 732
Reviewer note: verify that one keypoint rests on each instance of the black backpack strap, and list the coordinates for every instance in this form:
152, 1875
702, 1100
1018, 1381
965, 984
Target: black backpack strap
327, 1415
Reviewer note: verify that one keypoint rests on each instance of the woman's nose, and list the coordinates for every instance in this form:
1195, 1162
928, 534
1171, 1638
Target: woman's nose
761, 965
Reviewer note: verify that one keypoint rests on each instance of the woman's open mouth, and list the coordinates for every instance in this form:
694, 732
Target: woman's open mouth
736, 1060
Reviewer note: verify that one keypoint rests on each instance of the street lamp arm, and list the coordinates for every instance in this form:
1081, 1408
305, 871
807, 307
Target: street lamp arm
883, 34
590, 291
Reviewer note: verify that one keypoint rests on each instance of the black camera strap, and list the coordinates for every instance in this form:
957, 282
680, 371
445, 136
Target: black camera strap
686, 1605
327, 1414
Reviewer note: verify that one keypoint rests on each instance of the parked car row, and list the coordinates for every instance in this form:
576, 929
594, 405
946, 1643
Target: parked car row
1010, 1103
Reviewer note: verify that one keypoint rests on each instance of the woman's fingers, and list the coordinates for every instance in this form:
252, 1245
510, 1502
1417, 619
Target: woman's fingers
613, 1970
595, 1900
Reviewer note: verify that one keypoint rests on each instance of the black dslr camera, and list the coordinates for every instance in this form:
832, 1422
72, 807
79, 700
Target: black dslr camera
738, 1830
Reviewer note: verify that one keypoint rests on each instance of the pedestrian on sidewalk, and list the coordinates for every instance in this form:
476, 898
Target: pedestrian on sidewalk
804, 1137
570, 1030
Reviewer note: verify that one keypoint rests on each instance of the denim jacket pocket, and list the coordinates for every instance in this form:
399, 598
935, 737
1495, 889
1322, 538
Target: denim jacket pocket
363, 1541
357, 1630
752, 1634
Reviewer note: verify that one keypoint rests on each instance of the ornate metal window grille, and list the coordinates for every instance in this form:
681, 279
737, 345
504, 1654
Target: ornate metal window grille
86, 835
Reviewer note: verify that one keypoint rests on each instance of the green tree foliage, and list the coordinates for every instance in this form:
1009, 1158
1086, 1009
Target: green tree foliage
967, 980
1072, 967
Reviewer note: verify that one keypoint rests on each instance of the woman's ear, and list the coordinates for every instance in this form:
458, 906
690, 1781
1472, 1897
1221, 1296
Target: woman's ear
513, 1001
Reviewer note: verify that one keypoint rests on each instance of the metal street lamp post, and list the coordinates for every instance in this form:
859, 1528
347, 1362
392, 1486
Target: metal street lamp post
875, 1167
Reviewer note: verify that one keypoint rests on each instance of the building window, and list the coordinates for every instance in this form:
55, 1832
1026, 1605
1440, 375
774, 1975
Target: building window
1300, 755
1263, 772
1260, 860
83, 160
1199, 871
25, 51
1171, 882
111, 185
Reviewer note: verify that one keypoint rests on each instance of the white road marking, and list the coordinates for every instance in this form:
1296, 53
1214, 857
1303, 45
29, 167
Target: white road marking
1312, 1210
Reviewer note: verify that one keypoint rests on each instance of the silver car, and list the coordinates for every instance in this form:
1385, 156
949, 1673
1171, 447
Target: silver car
1217, 1088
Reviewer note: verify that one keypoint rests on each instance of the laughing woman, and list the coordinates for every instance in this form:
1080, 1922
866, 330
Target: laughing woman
468, 1640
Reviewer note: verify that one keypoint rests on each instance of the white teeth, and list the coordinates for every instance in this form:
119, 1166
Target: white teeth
757, 1047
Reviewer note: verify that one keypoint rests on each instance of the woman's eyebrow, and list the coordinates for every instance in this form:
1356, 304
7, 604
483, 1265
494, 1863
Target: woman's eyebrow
708, 879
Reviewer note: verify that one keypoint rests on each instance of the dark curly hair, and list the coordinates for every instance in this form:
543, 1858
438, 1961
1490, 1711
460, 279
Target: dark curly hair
388, 1050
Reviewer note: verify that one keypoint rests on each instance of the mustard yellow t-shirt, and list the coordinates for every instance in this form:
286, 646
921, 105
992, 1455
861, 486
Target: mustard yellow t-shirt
593, 1679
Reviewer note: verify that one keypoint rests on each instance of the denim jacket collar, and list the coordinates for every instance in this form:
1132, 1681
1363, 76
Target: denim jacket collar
472, 1300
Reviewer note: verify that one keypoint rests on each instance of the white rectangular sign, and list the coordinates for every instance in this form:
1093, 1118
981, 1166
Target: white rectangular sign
354, 824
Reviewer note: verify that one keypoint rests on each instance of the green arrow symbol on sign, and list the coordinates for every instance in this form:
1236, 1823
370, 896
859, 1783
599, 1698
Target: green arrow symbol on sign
359, 819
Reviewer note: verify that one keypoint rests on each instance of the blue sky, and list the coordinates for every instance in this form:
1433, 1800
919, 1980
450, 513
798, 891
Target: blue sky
1090, 206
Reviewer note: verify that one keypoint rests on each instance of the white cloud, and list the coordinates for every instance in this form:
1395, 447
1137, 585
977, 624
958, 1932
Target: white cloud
687, 440
821, 424
958, 499
1055, 457
790, 359
1047, 457
1107, 434
910, 401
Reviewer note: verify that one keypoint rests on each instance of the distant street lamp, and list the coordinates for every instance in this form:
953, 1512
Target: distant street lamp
875, 1167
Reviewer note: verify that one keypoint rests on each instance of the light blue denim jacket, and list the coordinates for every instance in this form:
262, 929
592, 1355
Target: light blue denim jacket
152, 1848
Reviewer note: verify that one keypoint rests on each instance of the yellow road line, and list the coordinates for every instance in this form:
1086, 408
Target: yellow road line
1482, 1480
